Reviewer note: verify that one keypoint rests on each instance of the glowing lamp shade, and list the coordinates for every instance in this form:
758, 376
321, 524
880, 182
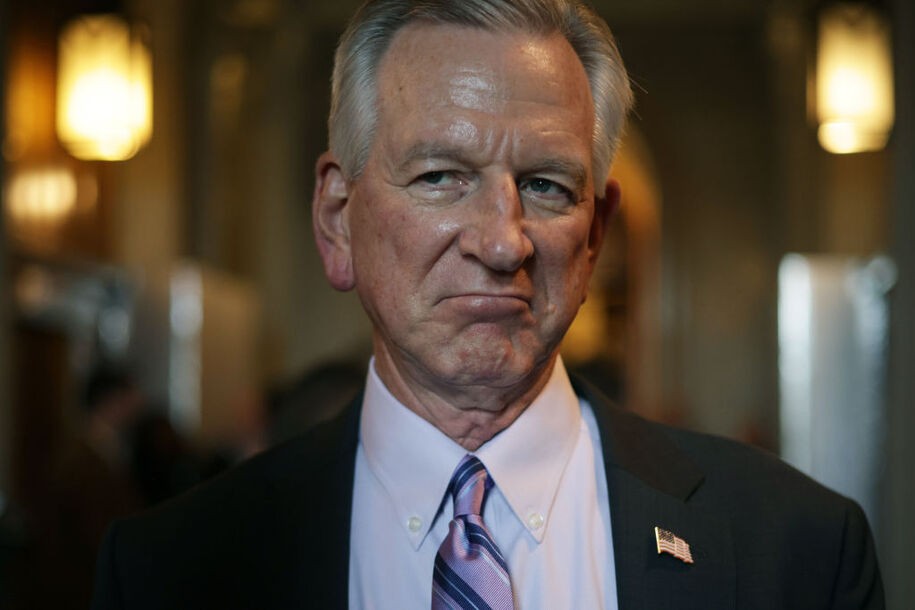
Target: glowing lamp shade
42, 195
104, 89
854, 79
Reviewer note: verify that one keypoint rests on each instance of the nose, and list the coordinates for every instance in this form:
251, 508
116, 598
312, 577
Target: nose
494, 231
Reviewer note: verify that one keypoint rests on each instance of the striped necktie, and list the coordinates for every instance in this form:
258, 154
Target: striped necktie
470, 571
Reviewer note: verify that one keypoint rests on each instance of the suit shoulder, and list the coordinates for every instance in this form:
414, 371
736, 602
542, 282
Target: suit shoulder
714, 470
752, 479
782, 513
250, 490
209, 544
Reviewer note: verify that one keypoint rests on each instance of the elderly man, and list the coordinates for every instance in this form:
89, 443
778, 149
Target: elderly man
464, 198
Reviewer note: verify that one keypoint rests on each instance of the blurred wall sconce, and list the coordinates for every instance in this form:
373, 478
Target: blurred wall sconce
104, 88
854, 77
42, 195
40, 201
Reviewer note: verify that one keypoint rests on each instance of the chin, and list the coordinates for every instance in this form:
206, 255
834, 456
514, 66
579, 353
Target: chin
489, 367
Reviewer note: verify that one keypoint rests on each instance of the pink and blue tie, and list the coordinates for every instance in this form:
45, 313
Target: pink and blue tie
470, 571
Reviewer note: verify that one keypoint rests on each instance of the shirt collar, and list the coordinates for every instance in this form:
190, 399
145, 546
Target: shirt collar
527, 460
413, 460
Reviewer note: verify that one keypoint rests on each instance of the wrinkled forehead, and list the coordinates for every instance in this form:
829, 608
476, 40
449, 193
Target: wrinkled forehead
443, 77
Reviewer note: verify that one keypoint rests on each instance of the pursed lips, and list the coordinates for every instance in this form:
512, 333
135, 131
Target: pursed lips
488, 304
488, 294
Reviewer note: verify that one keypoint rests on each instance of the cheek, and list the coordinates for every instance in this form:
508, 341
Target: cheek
410, 240
387, 253
564, 252
372, 254
566, 279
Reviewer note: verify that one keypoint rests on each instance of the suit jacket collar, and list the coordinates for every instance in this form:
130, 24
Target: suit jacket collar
328, 587
653, 483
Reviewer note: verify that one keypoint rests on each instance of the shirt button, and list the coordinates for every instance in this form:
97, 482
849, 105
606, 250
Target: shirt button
414, 523
535, 521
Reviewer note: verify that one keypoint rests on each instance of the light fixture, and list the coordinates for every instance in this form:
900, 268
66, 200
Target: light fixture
104, 89
854, 78
42, 195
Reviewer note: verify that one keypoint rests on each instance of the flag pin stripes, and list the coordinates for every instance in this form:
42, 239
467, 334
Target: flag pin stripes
669, 543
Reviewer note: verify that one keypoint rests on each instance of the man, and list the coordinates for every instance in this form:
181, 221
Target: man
464, 199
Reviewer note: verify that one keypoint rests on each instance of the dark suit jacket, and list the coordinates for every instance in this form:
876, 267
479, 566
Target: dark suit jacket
274, 532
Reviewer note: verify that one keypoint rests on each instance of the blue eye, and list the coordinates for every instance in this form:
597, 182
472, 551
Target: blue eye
541, 185
433, 177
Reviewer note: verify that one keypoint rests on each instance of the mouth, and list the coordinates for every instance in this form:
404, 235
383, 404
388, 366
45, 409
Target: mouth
487, 305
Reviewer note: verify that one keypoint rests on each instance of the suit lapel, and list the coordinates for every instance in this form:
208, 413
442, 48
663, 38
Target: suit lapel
325, 580
651, 482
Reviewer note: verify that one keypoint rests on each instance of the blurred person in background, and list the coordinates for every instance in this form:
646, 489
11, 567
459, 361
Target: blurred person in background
163, 462
317, 396
91, 483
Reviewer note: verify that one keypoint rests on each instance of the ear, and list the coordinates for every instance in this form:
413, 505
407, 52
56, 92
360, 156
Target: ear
330, 220
604, 208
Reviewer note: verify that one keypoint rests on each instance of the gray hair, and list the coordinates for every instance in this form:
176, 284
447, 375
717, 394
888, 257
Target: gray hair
353, 111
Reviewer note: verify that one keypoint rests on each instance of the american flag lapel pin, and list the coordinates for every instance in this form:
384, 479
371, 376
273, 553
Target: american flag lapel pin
674, 545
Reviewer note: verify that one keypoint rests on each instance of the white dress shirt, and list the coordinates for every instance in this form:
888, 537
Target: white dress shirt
548, 512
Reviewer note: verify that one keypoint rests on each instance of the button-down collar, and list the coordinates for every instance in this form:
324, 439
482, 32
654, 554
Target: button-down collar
414, 461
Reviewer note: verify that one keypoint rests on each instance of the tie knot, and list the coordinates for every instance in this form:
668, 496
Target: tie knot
468, 487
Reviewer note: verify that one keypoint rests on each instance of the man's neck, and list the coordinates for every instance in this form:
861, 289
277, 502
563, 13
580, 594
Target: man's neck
470, 414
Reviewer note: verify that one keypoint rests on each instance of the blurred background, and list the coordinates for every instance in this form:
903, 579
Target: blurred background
164, 313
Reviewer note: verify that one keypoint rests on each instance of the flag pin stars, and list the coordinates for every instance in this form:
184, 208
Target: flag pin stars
674, 545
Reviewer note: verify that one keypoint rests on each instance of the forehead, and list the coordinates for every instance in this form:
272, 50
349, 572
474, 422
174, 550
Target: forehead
447, 79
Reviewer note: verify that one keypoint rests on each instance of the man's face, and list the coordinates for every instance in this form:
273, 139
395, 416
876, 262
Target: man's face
471, 233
